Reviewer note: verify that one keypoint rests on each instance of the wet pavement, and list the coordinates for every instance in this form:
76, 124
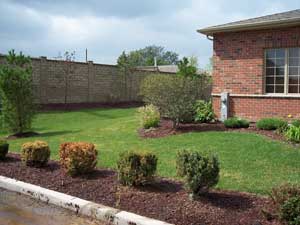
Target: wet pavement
16, 209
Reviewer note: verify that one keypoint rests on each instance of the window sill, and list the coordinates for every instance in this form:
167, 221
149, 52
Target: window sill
260, 95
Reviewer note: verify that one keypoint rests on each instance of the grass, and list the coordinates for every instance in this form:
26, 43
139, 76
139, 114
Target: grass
249, 162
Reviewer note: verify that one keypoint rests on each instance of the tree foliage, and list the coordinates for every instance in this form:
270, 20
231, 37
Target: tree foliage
16, 92
174, 96
145, 57
188, 67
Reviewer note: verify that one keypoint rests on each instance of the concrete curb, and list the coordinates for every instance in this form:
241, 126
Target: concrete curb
77, 205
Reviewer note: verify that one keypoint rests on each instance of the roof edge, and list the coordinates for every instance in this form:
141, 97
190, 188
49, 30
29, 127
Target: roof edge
250, 26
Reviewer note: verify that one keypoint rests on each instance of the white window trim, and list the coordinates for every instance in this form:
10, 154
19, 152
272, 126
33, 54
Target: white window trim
286, 78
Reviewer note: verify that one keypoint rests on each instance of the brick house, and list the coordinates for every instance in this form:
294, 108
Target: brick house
257, 61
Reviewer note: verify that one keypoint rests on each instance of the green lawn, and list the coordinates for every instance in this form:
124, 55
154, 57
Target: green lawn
249, 162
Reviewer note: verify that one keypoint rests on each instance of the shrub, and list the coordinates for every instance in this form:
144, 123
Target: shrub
201, 172
204, 111
236, 123
282, 193
136, 168
3, 149
35, 153
16, 93
270, 123
293, 134
174, 96
286, 199
282, 128
78, 157
290, 211
150, 116
296, 123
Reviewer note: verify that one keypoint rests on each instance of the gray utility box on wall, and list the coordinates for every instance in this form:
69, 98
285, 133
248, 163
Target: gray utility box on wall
224, 106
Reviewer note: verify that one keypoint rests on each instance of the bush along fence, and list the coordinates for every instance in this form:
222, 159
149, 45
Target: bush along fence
61, 82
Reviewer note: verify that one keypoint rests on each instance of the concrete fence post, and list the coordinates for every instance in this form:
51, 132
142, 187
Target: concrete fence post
43, 74
91, 79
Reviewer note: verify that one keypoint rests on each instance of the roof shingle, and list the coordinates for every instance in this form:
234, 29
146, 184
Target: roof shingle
275, 20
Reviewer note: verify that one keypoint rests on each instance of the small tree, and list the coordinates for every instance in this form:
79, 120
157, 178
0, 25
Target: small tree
188, 67
145, 56
16, 92
174, 96
67, 64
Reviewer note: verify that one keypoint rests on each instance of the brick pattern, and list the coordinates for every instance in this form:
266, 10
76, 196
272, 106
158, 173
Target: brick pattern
87, 82
239, 69
257, 108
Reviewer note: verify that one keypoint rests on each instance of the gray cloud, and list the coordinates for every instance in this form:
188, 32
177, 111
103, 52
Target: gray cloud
107, 28
115, 8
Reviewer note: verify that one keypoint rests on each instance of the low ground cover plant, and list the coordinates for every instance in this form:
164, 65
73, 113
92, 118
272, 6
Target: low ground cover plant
78, 157
35, 153
149, 116
200, 171
4, 146
293, 134
271, 124
296, 123
286, 199
290, 211
135, 168
204, 111
235, 122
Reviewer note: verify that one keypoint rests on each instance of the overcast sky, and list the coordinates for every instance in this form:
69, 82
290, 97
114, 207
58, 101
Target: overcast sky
107, 27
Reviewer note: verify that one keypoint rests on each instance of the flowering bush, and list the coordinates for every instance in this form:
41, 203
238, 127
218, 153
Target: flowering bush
204, 111
149, 115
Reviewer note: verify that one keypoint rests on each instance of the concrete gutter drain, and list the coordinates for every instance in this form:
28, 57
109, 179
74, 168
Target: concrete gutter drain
80, 206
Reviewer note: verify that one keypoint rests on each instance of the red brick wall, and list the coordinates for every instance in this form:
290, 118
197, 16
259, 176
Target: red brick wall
239, 69
255, 108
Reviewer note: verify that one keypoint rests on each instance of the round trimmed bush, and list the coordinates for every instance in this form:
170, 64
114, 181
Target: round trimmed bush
3, 149
236, 123
78, 157
201, 172
35, 153
271, 123
135, 168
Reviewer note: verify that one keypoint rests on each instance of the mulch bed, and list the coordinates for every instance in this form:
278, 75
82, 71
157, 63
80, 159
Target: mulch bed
78, 106
22, 135
166, 128
164, 200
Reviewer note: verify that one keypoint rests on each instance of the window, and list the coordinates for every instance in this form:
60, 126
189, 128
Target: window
282, 71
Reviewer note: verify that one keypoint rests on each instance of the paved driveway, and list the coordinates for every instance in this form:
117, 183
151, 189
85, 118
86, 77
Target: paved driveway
16, 209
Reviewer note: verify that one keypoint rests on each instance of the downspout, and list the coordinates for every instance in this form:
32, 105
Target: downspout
209, 37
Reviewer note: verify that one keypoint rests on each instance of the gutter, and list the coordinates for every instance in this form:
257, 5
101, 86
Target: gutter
79, 206
250, 26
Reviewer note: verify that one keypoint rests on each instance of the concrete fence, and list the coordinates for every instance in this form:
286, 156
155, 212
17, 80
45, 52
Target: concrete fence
60, 82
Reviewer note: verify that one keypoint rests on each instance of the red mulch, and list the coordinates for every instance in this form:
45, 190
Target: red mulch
165, 129
22, 135
77, 106
164, 200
